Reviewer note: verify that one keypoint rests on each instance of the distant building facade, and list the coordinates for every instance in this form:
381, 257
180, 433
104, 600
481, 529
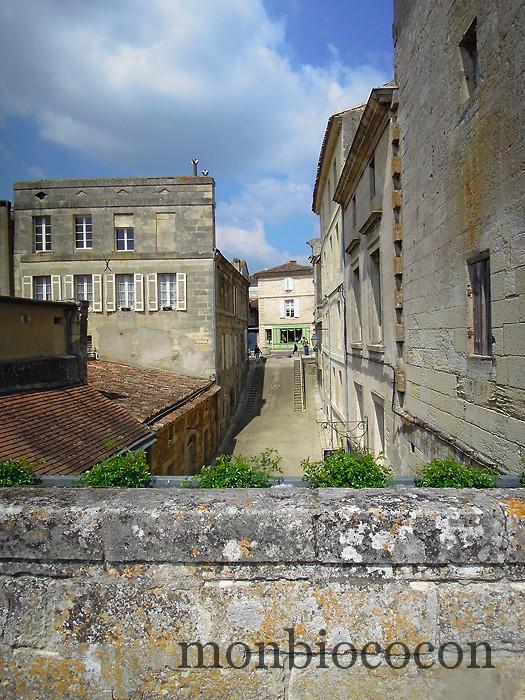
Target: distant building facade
285, 297
6, 249
142, 252
459, 65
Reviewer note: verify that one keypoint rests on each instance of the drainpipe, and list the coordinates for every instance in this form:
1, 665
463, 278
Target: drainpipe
330, 377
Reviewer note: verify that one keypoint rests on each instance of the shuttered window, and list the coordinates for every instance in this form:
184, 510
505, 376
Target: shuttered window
125, 291
84, 288
42, 288
83, 232
168, 290
479, 273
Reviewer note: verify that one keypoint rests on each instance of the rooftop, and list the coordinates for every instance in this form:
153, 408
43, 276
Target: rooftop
288, 267
144, 392
65, 431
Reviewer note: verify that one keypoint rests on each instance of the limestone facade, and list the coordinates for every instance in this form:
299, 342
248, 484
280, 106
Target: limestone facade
329, 266
142, 252
460, 69
366, 194
285, 297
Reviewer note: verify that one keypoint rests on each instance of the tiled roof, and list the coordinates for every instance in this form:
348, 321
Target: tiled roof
64, 431
142, 391
291, 266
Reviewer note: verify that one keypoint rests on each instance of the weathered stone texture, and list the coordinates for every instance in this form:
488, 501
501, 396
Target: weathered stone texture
99, 588
463, 179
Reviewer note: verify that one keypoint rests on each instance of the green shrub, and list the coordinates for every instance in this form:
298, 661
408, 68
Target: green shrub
447, 473
129, 470
16, 472
238, 471
355, 470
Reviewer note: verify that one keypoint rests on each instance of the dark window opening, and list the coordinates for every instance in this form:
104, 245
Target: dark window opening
469, 55
372, 174
479, 273
291, 335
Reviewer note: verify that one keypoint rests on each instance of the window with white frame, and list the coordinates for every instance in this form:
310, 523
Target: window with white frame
125, 291
42, 229
84, 288
289, 307
42, 287
288, 284
83, 232
168, 290
125, 238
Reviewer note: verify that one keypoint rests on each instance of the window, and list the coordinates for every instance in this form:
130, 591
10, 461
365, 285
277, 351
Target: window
356, 306
84, 288
42, 229
83, 232
125, 238
379, 424
468, 48
354, 212
479, 273
268, 336
372, 176
168, 290
291, 335
125, 291
376, 321
288, 284
42, 288
289, 308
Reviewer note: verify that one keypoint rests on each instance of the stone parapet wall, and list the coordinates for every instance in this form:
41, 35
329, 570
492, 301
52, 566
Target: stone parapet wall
101, 589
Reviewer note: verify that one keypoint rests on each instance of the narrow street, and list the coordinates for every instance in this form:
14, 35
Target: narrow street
268, 418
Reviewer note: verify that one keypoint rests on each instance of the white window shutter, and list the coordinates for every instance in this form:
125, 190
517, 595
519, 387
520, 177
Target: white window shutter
110, 292
139, 292
55, 288
97, 294
281, 308
296, 308
68, 287
153, 297
27, 286
181, 291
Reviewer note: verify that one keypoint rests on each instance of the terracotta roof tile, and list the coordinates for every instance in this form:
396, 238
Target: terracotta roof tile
64, 431
142, 391
291, 266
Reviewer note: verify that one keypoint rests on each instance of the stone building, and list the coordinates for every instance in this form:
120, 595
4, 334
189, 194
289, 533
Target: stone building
142, 252
370, 303
285, 297
331, 358
460, 70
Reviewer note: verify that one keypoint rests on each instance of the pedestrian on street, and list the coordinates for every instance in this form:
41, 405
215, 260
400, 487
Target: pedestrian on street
257, 352
294, 349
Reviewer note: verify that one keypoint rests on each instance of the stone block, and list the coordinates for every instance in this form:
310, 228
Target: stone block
514, 339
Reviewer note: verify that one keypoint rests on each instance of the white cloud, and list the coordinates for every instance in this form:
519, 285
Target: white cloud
270, 199
250, 243
150, 84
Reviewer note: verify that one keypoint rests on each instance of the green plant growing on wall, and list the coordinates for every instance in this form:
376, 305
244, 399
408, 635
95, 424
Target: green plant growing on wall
128, 470
16, 473
447, 473
238, 471
355, 470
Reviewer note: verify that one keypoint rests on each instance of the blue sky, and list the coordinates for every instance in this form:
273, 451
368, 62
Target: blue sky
139, 87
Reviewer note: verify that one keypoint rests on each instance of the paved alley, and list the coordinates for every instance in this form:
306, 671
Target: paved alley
269, 418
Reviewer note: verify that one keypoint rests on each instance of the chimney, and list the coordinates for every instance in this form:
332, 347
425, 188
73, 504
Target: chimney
293, 262
195, 162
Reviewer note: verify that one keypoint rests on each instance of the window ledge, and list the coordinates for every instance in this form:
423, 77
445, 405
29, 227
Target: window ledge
376, 347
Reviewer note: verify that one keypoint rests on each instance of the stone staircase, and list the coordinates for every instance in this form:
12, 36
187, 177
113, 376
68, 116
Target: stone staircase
255, 391
299, 398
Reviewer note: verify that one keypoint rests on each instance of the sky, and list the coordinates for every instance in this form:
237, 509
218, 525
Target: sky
140, 87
